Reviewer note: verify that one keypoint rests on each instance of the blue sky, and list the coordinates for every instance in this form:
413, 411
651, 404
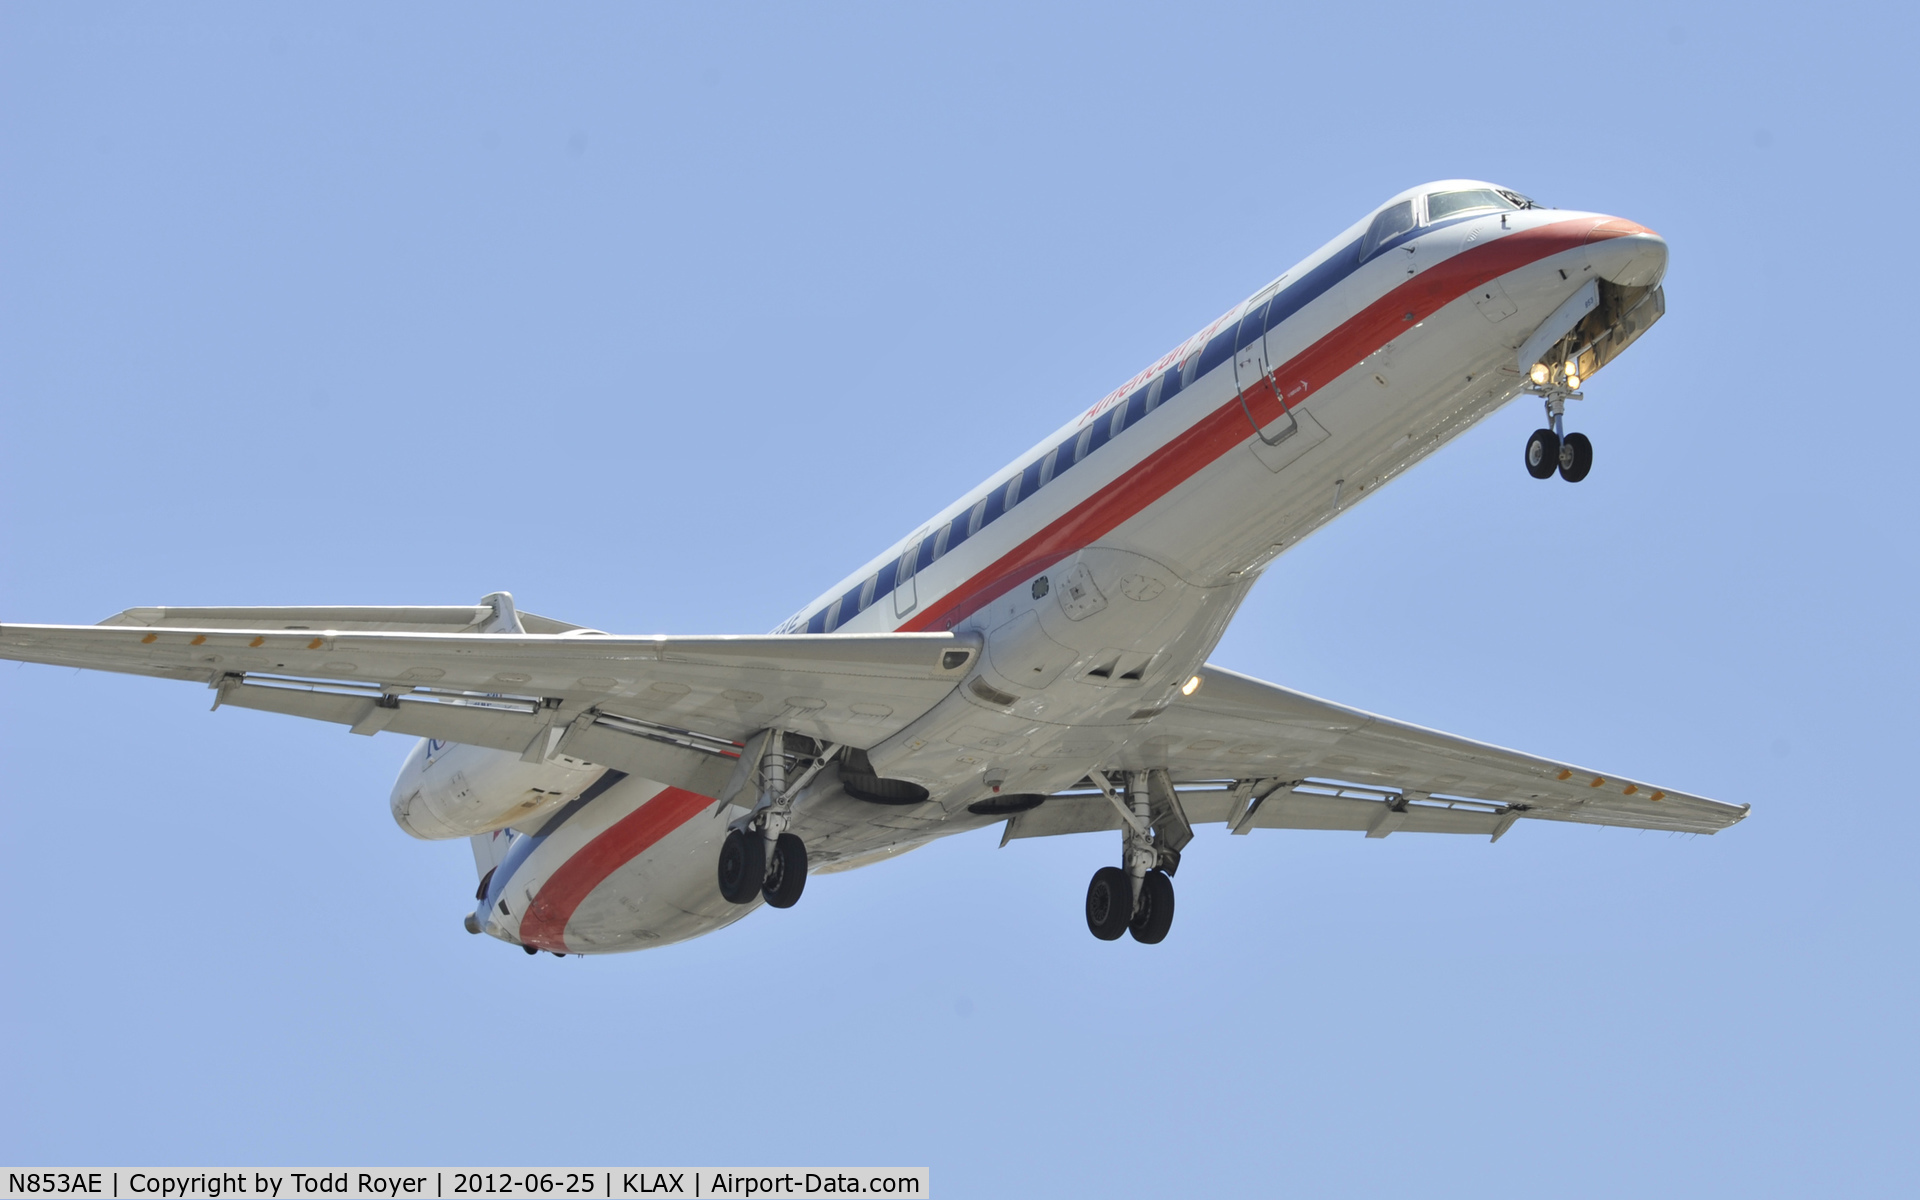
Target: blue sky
365, 304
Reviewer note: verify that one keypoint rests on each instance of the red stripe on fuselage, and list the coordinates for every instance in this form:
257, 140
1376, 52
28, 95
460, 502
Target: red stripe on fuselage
545, 924
1226, 427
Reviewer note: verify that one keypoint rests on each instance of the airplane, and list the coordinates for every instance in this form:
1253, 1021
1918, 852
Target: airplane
1033, 656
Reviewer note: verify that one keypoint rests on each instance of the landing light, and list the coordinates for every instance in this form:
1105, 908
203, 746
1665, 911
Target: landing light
1573, 381
1540, 372
1190, 686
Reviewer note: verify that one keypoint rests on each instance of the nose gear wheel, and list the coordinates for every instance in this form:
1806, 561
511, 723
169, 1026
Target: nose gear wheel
1554, 449
1543, 453
1575, 458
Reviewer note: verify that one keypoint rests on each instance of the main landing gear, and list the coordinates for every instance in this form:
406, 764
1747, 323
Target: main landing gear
758, 855
1138, 898
747, 868
1554, 449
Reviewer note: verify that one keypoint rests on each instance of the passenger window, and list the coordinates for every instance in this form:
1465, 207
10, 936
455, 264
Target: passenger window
850, 604
1169, 387
1030, 480
991, 508
1097, 434
1441, 205
884, 581
1219, 350
958, 531
1136, 408
818, 622
1394, 221
1065, 455
938, 540
832, 617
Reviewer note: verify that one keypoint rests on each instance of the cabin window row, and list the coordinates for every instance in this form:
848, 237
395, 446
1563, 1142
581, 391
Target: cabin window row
1050, 466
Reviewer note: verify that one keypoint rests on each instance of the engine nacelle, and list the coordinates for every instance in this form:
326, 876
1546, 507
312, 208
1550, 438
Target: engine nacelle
446, 790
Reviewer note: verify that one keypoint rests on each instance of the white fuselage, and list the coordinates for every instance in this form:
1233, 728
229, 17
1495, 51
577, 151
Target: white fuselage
1101, 566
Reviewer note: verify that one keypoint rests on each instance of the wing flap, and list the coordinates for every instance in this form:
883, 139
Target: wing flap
1236, 727
1306, 804
662, 755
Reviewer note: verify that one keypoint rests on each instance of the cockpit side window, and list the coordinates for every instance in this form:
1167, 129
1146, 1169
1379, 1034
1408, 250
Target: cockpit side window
1391, 223
1441, 205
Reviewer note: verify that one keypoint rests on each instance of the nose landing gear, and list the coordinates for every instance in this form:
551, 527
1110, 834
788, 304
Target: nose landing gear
1553, 449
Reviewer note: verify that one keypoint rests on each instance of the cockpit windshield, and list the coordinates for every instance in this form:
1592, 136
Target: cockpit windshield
1396, 220
1441, 205
1393, 221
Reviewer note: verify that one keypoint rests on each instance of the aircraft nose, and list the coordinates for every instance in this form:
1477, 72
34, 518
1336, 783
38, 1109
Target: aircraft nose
1626, 253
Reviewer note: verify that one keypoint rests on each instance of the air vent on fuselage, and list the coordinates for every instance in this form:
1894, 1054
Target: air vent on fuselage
1114, 668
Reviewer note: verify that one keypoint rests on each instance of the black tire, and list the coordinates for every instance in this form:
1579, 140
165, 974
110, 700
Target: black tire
1155, 915
530, 949
1576, 457
787, 873
1006, 805
1109, 903
1543, 453
743, 866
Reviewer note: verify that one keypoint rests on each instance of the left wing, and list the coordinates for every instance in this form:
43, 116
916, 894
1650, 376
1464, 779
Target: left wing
1257, 755
674, 709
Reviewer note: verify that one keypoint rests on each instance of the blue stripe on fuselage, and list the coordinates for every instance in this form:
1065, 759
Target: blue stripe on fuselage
525, 844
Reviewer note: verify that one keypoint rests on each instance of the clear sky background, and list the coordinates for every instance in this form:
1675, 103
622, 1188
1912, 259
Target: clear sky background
665, 318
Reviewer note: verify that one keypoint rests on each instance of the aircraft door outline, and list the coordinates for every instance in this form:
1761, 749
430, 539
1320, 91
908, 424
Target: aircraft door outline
1252, 364
906, 591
